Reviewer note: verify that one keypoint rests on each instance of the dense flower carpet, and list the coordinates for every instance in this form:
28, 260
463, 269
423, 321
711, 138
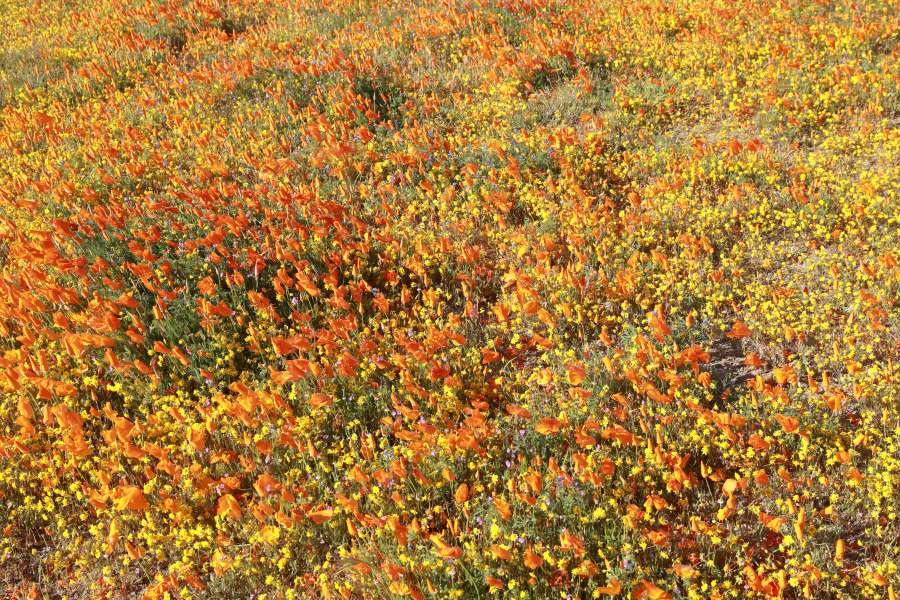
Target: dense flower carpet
450, 299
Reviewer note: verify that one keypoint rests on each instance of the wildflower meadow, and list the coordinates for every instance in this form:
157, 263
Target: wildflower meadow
450, 299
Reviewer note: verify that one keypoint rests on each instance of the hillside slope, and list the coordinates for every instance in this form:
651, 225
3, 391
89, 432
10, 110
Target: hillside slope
457, 299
